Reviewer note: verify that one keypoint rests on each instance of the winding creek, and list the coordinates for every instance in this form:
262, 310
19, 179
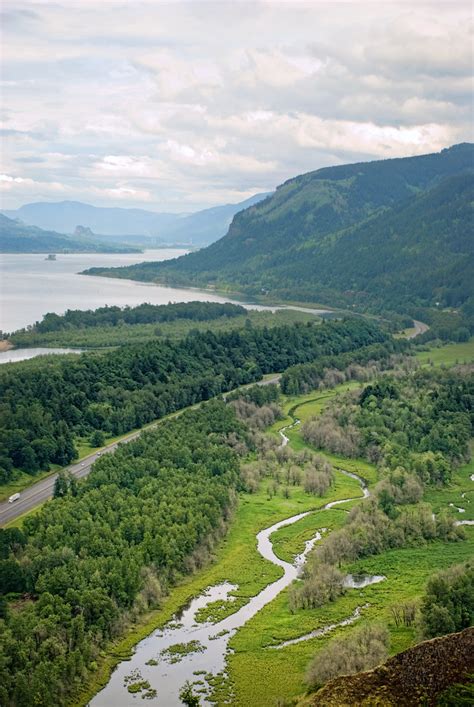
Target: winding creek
186, 650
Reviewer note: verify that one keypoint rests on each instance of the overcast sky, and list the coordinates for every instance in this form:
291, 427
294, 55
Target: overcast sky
182, 105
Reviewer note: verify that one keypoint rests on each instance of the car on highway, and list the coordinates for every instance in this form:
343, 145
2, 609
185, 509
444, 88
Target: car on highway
14, 498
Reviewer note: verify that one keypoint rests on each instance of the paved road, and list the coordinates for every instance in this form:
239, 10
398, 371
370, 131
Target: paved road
41, 491
419, 328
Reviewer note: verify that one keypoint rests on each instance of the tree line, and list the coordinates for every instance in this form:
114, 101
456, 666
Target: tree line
142, 314
46, 403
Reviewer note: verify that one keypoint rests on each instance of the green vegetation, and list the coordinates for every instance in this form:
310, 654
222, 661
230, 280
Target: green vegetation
93, 560
261, 677
117, 555
175, 653
459, 493
109, 335
448, 355
17, 237
420, 422
353, 235
448, 605
45, 404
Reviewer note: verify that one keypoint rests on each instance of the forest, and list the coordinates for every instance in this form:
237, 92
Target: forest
117, 332
46, 403
98, 556
142, 314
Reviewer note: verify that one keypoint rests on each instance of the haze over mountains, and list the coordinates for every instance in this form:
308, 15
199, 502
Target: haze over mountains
136, 226
359, 235
17, 237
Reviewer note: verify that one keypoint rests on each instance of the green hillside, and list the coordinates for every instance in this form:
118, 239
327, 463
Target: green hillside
385, 235
17, 237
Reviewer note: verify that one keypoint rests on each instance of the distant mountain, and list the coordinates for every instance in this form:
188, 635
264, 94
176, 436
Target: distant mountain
64, 216
149, 228
16, 237
205, 227
383, 234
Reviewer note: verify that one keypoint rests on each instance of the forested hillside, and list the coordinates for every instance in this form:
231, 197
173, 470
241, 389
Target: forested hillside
358, 235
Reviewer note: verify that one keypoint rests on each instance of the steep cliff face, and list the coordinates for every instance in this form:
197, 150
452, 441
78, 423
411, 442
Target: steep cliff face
417, 676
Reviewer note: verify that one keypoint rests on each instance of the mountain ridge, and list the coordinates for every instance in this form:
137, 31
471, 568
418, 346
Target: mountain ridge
17, 237
138, 226
339, 240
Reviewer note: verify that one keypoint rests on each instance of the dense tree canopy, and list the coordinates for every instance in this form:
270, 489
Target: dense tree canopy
92, 558
142, 314
45, 403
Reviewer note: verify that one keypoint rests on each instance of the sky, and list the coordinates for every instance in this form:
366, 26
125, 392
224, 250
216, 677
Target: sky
177, 106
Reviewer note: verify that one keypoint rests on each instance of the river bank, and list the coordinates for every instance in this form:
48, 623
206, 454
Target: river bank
270, 651
236, 561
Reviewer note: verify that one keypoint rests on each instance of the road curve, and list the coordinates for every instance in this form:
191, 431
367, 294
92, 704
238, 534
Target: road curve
42, 490
419, 328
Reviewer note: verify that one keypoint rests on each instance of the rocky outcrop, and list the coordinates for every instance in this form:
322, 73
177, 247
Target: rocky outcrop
416, 676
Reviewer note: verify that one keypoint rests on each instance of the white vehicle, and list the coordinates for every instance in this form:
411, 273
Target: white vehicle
13, 498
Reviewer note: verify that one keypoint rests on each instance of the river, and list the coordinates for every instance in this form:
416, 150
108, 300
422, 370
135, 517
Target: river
31, 286
184, 650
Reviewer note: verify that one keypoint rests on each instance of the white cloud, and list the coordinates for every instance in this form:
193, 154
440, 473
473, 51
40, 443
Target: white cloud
185, 104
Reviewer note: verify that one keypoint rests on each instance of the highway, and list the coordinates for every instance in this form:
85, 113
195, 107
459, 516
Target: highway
42, 490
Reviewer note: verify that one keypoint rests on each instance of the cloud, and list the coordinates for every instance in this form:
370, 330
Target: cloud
184, 105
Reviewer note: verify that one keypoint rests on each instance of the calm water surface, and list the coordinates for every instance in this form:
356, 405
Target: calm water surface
31, 286
14, 355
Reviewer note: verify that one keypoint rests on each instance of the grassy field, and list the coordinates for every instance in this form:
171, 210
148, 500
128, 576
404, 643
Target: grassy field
261, 675
448, 355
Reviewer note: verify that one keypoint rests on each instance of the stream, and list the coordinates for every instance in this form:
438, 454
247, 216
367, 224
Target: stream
185, 650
